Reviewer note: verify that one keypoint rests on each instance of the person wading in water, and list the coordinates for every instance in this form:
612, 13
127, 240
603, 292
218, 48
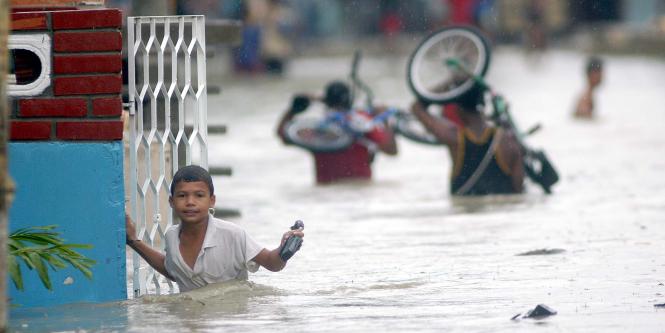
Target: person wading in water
486, 159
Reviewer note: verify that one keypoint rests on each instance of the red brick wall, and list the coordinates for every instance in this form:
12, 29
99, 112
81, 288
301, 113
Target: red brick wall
84, 100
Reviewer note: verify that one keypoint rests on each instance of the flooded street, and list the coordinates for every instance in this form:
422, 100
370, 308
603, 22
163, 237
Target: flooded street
399, 254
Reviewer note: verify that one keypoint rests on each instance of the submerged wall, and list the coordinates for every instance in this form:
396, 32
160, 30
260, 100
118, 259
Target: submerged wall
66, 152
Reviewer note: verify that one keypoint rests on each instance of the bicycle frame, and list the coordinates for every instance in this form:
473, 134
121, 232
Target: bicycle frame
360, 84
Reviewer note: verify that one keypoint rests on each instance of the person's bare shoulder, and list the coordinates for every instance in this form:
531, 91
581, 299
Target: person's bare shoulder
509, 146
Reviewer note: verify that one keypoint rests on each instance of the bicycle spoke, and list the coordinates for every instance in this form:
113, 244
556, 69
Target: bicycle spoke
432, 79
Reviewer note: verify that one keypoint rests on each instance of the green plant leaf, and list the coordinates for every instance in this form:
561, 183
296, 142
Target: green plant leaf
54, 261
41, 269
15, 272
30, 249
26, 259
82, 264
78, 246
40, 238
48, 250
83, 269
14, 244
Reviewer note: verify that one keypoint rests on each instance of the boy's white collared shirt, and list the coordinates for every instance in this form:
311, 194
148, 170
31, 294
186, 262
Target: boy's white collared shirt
226, 254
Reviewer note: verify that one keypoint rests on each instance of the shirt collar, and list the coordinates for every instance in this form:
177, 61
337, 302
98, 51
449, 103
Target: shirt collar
211, 232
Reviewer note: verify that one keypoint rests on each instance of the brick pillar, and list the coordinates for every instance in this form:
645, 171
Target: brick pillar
84, 101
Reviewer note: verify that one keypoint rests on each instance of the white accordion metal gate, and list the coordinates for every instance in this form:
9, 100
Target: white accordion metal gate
168, 124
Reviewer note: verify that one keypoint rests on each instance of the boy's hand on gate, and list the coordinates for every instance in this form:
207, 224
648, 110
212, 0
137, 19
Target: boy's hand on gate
130, 229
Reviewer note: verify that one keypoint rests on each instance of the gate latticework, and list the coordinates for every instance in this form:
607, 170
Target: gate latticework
168, 124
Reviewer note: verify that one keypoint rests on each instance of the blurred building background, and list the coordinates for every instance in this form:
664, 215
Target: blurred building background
277, 29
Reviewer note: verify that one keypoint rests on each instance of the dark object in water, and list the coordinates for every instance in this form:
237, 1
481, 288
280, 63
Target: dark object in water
274, 66
662, 305
223, 213
292, 244
539, 312
539, 169
541, 252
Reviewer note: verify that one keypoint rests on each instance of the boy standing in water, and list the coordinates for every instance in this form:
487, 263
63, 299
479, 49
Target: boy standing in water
594, 76
202, 249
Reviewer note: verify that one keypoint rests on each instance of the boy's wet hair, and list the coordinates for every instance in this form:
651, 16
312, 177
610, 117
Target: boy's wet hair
192, 173
470, 100
337, 95
594, 64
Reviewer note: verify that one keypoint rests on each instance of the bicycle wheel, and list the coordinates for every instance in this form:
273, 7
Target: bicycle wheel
408, 126
432, 78
317, 136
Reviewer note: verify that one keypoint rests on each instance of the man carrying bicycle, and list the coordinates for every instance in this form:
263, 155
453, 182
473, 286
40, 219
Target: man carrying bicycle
352, 162
486, 159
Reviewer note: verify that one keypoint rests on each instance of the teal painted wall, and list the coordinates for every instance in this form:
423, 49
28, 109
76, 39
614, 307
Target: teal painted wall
80, 188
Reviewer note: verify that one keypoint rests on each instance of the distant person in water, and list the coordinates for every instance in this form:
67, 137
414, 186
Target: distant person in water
486, 159
202, 249
594, 77
354, 162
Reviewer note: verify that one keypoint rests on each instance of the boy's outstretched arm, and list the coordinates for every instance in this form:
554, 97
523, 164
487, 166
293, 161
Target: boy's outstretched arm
270, 259
153, 257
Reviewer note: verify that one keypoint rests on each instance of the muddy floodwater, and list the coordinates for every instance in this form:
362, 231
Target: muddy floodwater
398, 253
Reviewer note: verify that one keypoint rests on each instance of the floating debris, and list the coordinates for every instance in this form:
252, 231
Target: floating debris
541, 252
539, 312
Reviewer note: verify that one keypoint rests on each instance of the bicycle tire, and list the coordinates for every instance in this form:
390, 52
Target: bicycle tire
313, 135
427, 69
